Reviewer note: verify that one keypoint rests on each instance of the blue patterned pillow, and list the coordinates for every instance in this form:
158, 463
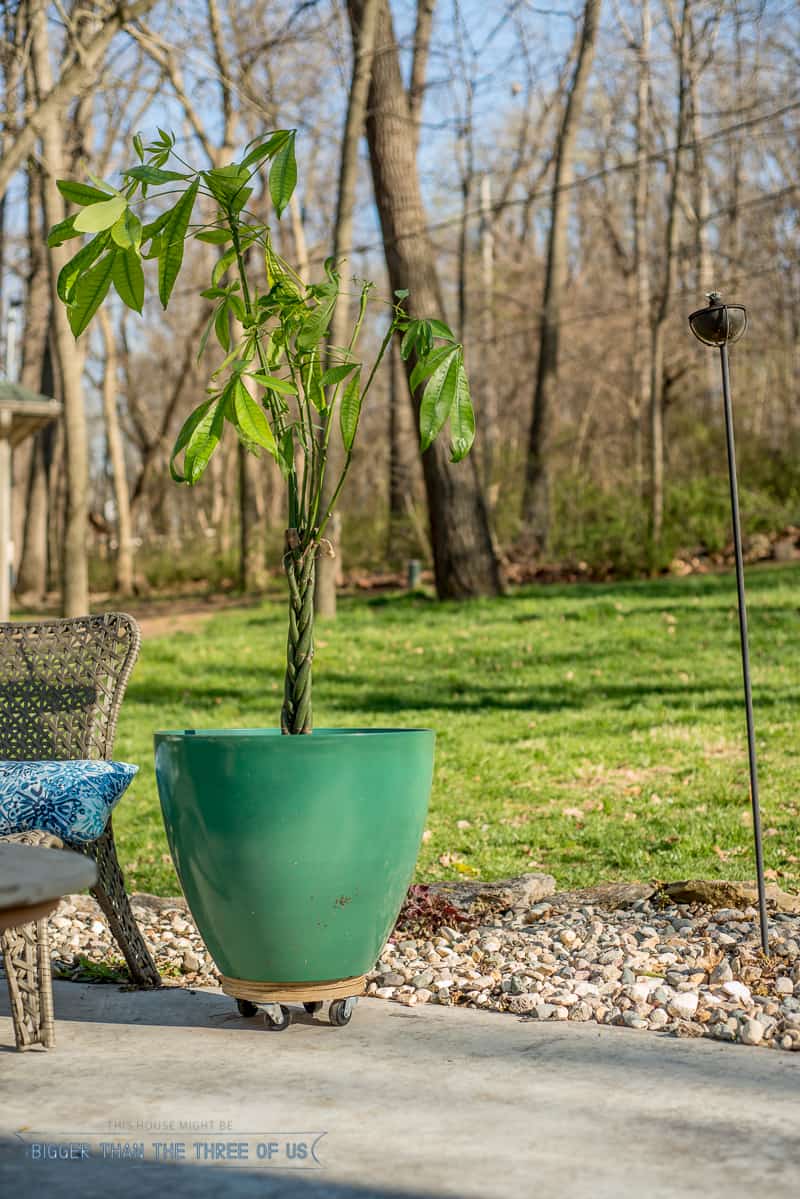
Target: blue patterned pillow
70, 799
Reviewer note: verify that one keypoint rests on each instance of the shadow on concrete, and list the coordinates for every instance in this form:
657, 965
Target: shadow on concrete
429, 1033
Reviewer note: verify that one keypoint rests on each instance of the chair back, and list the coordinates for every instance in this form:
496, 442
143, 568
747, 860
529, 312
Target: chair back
62, 683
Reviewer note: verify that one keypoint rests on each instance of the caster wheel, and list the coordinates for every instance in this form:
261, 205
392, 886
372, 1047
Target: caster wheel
341, 1010
246, 1008
312, 1008
278, 1017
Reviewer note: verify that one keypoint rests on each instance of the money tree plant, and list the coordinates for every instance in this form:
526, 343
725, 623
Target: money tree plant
285, 389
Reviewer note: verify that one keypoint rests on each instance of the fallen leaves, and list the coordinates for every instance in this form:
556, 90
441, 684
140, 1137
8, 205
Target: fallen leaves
725, 854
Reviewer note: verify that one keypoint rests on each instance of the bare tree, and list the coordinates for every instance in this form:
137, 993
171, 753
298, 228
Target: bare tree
75, 569
536, 498
78, 72
363, 47
464, 560
680, 35
116, 456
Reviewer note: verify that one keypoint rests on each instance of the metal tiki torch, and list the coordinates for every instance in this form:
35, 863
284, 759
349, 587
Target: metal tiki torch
720, 325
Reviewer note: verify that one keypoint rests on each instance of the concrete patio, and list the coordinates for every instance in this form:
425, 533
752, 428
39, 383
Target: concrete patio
411, 1102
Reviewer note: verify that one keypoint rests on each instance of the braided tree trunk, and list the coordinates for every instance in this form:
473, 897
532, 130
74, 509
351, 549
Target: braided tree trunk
300, 570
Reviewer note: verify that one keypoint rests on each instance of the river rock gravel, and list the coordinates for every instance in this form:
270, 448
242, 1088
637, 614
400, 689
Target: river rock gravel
681, 969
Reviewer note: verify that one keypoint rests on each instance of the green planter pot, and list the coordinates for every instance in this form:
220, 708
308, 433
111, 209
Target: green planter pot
295, 853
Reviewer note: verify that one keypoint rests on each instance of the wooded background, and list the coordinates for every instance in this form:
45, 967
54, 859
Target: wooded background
563, 186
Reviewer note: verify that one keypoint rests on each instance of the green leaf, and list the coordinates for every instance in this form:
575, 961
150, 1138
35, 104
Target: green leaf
283, 175
462, 418
251, 420
350, 411
426, 366
138, 147
401, 293
284, 386
222, 265
215, 237
72, 270
222, 327
128, 278
228, 186
314, 389
409, 339
155, 226
172, 238
98, 217
205, 335
150, 174
335, 374
440, 329
127, 231
317, 321
104, 186
266, 149
90, 292
62, 232
155, 248
437, 399
80, 193
204, 439
286, 453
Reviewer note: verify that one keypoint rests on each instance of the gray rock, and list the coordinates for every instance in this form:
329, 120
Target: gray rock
751, 1032
607, 895
419, 981
521, 892
722, 972
190, 962
737, 991
716, 893
684, 1004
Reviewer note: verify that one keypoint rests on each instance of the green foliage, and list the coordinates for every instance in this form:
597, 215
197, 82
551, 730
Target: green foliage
267, 323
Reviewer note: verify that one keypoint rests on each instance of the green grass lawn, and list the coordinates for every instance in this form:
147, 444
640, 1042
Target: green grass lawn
596, 732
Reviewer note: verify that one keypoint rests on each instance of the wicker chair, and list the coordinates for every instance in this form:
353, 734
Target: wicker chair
61, 687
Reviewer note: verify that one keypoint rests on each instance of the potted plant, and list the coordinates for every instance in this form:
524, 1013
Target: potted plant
295, 852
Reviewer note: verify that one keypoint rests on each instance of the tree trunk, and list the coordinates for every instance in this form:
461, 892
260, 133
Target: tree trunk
641, 247
400, 486
488, 386
116, 454
363, 46
464, 560
419, 63
75, 569
660, 320
536, 496
701, 202
37, 375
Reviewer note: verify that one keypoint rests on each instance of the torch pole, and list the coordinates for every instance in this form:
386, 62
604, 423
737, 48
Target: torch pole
748, 695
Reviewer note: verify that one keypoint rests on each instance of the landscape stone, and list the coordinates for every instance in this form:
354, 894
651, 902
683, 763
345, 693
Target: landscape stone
720, 894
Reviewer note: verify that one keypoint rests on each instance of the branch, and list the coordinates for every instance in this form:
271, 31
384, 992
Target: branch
74, 79
419, 63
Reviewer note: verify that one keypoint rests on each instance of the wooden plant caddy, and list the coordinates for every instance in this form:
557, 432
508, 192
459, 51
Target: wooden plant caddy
341, 993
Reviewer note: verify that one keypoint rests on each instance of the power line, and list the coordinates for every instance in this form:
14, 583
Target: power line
546, 193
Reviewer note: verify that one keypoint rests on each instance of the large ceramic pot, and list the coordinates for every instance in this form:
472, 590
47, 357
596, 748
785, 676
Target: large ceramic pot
294, 853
